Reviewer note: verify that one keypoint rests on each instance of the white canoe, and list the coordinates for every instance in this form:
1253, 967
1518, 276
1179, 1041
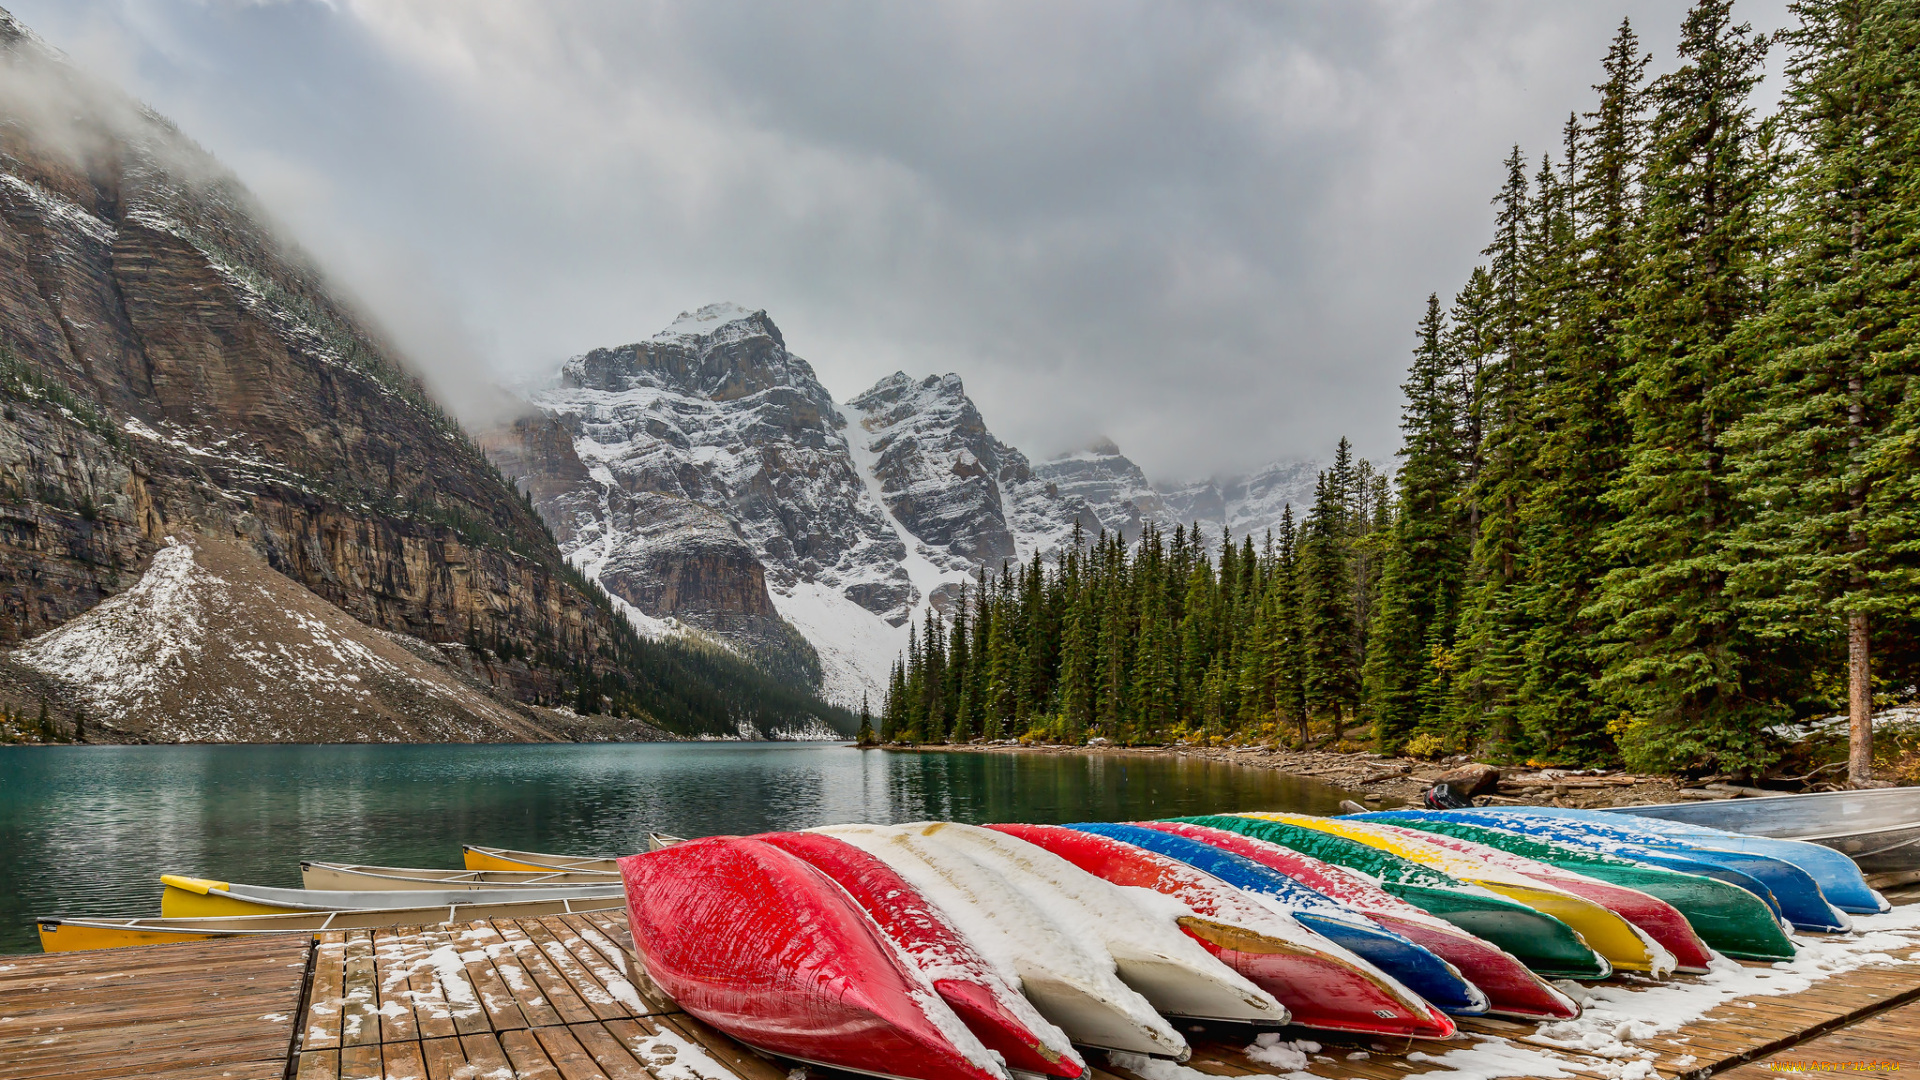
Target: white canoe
361, 878
1069, 977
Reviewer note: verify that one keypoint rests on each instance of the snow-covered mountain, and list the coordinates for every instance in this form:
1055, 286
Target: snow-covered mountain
712, 484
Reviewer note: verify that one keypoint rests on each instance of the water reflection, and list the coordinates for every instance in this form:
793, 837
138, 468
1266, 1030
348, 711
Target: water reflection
89, 829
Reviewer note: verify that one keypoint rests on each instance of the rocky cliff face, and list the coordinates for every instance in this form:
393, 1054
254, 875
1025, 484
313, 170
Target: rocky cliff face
168, 367
711, 482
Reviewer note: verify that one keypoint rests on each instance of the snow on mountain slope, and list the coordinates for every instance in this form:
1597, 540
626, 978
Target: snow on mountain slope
213, 645
712, 483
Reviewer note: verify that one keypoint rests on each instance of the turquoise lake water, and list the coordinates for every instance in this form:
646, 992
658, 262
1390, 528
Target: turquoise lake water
88, 830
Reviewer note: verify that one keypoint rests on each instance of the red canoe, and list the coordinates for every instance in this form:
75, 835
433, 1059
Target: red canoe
1655, 917
984, 999
764, 947
1321, 985
1510, 987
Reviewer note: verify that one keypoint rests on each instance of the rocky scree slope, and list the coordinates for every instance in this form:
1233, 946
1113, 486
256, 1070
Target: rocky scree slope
212, 645
167, 367
707, 479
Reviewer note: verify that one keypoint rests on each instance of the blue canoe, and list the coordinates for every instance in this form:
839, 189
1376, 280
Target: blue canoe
1838, 876
1797, 894
1416, 968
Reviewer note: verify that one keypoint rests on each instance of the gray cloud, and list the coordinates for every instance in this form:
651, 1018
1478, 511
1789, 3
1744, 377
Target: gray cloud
1204, 229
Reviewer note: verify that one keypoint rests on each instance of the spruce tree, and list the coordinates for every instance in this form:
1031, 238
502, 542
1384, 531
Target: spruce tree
1325, 610
1831, 548
1424, 563
1678, 663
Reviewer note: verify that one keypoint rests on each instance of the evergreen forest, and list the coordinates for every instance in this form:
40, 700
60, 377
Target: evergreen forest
1657, 488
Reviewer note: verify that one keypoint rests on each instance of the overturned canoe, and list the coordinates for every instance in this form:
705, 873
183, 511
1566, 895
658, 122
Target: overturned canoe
1605, 932
1650, 915
1878, 829
757, 943
1839, 878
1067, 973
1511, 989
72, 934
200, 898
361, 878
1797, 895
1726, 916
1323, 987
976, 990
1405, 964
1150, 950
1543, 943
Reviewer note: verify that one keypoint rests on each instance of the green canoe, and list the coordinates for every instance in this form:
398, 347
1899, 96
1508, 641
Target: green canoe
1726, 917
1539, 940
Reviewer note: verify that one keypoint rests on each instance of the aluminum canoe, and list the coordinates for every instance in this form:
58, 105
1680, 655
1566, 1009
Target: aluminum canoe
356, 877
757, 943
200, 898
1726, 916
1879, 829
71, 934
1511, 989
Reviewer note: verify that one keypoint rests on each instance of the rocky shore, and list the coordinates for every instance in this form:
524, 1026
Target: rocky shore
1379, 780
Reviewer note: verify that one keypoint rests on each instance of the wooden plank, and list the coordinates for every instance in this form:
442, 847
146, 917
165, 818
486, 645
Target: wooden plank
529, 1060
729, 1053
361, 1062
484, 1055
569, 1058
360, 1004
478, 1001
560, 995
393, 983
324, 998
610, 1053
319, 1065
432, 1015
403, 1061
445, 1060
623, 960
591, 991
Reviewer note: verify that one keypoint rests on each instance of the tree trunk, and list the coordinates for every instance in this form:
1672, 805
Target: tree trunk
1859, 702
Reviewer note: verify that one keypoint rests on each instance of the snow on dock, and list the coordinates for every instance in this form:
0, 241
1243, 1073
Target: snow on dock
564, 998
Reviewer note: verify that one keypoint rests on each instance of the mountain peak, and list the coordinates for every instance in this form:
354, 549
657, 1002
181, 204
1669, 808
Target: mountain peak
712, 318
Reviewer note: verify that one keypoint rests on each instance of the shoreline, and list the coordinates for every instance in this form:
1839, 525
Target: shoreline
1379, 780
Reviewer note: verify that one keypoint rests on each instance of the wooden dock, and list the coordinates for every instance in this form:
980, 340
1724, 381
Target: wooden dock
564, 998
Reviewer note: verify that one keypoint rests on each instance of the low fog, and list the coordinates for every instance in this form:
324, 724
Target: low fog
1204, 230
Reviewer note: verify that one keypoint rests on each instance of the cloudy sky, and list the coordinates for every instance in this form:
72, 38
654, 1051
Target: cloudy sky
1202, 229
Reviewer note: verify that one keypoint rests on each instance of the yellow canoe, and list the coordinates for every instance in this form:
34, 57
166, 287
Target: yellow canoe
1605, 932
359, 877
199, 898
494, 858
71, 935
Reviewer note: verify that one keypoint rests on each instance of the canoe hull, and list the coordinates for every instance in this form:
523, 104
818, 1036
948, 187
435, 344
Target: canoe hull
1543, 943
1511, 989
1725, 916
990, 1007
758, 944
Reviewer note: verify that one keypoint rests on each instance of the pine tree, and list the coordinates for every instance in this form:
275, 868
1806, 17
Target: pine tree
865, 736
1585, 430
1326, 608
1424, 565
1687, 676
1830, 550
